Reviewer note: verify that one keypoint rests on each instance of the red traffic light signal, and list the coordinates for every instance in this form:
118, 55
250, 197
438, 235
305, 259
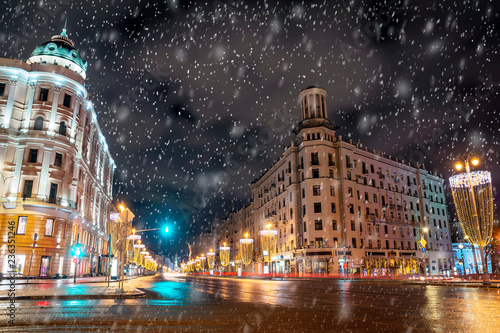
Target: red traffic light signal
75, 260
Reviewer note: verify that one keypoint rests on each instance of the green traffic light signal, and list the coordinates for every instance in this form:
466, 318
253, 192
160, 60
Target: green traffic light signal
166, 229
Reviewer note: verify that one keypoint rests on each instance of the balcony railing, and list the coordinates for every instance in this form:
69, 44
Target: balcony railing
55, 201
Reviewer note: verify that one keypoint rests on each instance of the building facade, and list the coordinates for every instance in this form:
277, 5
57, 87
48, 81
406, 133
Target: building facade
56, 170
340, 208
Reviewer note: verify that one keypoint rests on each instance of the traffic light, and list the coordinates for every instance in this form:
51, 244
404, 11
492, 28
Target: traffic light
75, 260
166, 229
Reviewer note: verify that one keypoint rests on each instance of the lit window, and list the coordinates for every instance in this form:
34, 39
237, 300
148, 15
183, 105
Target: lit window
49, 227
21, 225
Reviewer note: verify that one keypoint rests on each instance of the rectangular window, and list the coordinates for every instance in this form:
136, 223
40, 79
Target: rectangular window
314, 159
319, 242
315, 173
330, 160
318, 225
334, 224
44, 95
353, 226
349, 192
21, 225
305, 227
334, 208
316, 190
53, 193
58, 160
332, 191
33, 156
335, 242
49, 227
28, 188
331, 174
317, 207
67, 100
304, 210
354, 243
2, 89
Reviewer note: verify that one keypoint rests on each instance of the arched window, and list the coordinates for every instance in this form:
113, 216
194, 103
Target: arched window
308, 137
318, 107
311, 106
318, 136
62, 128
313, 136
38, 123
323, 106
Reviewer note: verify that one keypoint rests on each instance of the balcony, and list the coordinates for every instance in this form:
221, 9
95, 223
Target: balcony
314, 163
54, 201
348, 165
381, 176
300, 167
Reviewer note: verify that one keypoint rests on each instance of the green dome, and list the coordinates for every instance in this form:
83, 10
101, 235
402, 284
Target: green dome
60, 46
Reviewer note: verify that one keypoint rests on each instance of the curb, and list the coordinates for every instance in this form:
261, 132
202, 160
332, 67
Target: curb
66, 283
66, 297
463, 285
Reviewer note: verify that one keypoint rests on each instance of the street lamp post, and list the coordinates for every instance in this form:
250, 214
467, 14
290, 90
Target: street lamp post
35, 237
422, 231
461, 247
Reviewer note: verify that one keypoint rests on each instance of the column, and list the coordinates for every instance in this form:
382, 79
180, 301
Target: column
26, 124
94, 207
74, 181
78, 102
44, 174
14, 183
10, 102
53, 111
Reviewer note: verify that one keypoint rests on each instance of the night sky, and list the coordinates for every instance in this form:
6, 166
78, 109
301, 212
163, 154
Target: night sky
197, 99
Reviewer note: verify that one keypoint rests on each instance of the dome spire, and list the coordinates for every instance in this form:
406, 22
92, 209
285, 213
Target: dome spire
63, 33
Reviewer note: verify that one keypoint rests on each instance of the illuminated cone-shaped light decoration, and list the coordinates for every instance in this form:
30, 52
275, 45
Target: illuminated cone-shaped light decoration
224, 252
246, 250
197, 263
211, 259
473, 195
268, 241
203, 261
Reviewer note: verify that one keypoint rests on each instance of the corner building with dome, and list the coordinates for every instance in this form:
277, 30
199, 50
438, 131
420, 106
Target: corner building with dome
56, 169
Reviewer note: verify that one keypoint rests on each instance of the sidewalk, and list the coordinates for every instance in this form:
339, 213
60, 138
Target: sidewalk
85, 288
50, 291
97, 279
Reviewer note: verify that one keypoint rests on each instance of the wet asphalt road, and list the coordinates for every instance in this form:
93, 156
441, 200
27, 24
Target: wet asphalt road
178, 304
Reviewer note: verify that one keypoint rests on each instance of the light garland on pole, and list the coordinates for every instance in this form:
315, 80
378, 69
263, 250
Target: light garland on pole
473, 197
